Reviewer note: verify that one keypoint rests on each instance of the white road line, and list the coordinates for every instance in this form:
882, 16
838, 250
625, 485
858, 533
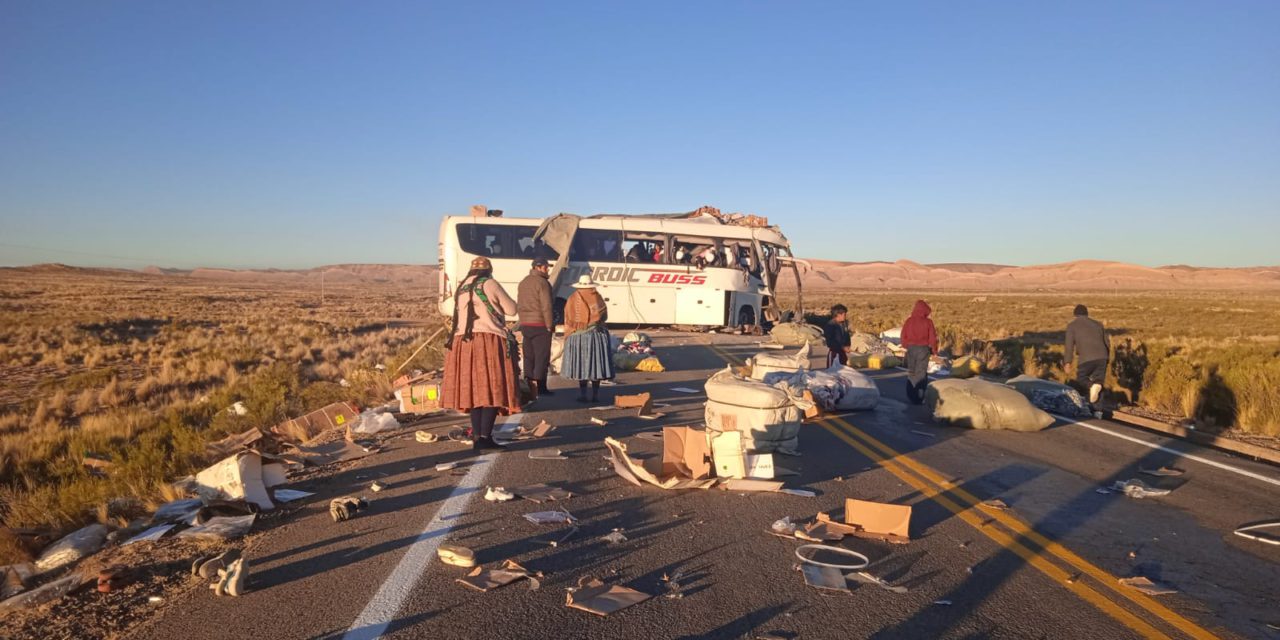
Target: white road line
386, 603
1188, 456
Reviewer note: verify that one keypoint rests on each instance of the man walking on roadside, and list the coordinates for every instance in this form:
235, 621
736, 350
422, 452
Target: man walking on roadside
837, 336
1087, 338
537, 325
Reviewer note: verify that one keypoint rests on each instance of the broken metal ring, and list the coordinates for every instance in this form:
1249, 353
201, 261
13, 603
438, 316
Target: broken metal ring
823, 547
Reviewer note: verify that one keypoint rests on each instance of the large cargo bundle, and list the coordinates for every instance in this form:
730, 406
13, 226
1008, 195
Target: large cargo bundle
979, 404
766, 416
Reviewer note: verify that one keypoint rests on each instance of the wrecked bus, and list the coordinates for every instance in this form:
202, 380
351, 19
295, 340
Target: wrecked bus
703, 268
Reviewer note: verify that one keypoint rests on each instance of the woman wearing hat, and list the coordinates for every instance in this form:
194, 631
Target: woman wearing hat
587, 353
480, 368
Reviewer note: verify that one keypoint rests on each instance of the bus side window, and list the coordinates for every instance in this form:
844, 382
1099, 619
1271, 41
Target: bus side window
482, 239
597, 245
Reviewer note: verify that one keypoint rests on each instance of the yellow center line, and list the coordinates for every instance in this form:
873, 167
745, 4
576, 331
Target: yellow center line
898, 463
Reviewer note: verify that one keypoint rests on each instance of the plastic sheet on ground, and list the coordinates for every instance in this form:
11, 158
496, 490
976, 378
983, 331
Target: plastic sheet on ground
45, 593
72, 547
373, 422
978, 404
152, 534
221, 528
837, 388
1050, 396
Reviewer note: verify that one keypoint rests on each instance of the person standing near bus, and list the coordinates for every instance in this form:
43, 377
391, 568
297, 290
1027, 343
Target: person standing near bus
537, 324
837, 336
1087, 338
588, 356
480, 367
920, 338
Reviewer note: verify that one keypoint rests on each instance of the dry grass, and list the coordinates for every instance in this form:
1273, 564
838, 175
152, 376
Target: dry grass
139, 369
1209, 356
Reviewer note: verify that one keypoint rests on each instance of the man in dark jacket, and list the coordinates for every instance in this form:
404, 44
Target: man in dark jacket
920, 338
1088, 339
537, 325
837, 336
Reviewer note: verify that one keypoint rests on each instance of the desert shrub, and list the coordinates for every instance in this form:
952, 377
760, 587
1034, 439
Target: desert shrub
1172, 385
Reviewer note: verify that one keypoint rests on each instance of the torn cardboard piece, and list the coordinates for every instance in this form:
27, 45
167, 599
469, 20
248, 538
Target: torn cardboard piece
685, 453
512, 433
420, 395
727, 452
540, 493
234, 443
641, 401
482, 579
307, 427
635, 473
242, 476
750, 484
594, 596
879, 519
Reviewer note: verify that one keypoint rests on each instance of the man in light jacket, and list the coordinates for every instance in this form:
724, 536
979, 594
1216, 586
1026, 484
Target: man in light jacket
1088, 339
537, 325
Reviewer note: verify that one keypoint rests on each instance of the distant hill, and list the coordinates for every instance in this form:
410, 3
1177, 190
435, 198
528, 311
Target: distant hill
1077, 275
826, 274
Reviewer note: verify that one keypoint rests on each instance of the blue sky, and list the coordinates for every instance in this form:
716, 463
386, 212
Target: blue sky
293, 134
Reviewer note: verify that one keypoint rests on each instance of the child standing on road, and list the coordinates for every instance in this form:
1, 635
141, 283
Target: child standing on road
921, 341
837, 336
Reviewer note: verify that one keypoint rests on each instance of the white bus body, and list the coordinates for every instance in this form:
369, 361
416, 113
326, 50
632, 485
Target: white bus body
617, 251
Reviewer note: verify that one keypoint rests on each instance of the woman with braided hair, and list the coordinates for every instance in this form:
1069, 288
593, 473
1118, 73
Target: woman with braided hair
588, 356
480, 367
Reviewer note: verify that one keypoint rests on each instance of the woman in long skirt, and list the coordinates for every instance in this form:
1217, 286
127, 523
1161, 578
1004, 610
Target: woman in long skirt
480, 368
588, 356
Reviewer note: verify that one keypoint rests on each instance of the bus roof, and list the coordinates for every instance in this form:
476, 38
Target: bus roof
706, 221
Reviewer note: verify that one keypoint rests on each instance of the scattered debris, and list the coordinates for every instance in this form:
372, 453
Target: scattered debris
221, 528
456, 555
559, 540
540, 493
641, 401
1137, 489
498, 494
944, 603
822, 577
377, 486
241, 476
307, 427
672, 584
1147, 586
418, 394
113, 578
750, 484
231, 580
995, 503
289, 495
637, 474
71, 548
234, 442
614, 537
346, 508
684, 390
207, 567
596, 597
44, 593
924, 433
889, 520
446, 466
866, 578
803, 493
1246, 531
152, 534
1162, 471
483, 579
815, 550
599, 421
547, 454
425, 437
177, 511
550, 517
784, 527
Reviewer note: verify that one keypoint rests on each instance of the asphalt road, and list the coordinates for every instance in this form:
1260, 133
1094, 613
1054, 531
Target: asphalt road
1048, 567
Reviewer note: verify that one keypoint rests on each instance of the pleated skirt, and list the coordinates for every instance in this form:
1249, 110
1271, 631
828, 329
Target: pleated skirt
587, 356
480, 373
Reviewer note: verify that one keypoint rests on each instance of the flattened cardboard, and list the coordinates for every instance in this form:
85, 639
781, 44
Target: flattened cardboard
877, 518
726, 451
305, 428
601, 599
824, 577
482, 579
750, 484
635, 473
685, 453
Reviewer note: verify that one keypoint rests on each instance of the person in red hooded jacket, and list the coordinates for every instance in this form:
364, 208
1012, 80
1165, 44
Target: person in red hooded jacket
921, 341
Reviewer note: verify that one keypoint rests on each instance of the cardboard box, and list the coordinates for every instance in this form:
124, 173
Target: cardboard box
303, 429
759, 465
726, 452
641, 401
421, 397
890, 520
685, 453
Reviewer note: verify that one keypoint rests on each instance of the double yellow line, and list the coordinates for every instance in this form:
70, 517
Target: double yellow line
1020, 538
